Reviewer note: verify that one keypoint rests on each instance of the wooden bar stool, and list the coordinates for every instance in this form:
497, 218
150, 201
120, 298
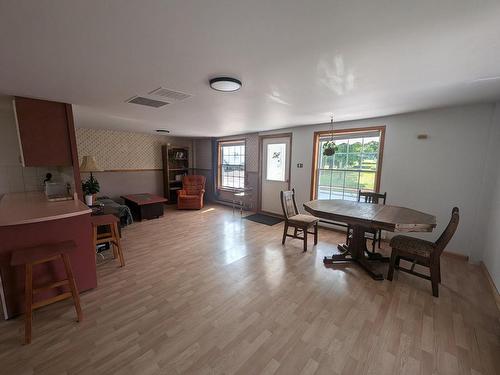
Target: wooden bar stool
112, 235
29, 257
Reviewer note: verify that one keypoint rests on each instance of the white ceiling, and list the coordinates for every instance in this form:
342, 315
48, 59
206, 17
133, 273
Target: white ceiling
298, 60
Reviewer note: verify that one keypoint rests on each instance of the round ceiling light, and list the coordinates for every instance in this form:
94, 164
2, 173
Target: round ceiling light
226, 84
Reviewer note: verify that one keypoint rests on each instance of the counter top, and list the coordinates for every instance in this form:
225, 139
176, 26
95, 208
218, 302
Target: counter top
33, 207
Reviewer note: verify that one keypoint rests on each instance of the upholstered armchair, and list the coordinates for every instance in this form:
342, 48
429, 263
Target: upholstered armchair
191, 195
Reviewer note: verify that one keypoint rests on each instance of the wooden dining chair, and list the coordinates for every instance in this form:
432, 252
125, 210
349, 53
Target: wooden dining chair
374, 235
300, 222
423, 253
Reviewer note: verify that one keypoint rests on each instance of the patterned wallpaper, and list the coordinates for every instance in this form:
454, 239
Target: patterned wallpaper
124, 150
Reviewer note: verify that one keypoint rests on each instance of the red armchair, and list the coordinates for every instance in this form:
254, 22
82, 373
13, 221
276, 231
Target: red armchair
191, 195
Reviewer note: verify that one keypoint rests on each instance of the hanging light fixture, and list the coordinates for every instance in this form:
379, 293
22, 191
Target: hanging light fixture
329, 146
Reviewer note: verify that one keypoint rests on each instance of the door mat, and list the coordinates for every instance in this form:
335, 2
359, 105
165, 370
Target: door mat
264, 219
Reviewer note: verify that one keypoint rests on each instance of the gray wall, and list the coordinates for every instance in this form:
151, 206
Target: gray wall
488, 223
431, 175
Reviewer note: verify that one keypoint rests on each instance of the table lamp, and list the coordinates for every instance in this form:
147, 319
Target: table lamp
91, 186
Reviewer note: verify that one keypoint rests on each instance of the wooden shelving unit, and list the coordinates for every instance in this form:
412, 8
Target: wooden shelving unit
175, 163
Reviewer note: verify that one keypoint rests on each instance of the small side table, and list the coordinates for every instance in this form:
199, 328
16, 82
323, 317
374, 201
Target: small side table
145, 205
240, 198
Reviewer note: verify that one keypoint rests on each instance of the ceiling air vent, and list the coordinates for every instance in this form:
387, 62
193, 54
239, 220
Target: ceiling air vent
169, 94
147, 102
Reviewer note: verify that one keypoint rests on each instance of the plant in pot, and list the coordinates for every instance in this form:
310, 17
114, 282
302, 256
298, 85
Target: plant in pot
90, 188
329, 148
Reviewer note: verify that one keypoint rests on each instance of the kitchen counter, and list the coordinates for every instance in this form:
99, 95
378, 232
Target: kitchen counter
33, 207
28, 220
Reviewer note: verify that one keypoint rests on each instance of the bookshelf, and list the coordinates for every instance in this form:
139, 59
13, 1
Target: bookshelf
175, 165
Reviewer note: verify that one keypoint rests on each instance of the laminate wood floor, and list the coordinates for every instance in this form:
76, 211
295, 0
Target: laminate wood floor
205, 292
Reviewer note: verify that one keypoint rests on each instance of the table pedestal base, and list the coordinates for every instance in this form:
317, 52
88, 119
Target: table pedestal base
356, 252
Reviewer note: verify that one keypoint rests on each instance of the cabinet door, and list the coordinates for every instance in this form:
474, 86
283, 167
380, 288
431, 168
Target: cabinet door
43, 133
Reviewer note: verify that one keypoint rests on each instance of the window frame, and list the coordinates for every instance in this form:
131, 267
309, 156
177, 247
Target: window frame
315, 161
230, 142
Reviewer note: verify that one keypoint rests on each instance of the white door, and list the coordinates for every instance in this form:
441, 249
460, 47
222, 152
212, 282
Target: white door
275, 169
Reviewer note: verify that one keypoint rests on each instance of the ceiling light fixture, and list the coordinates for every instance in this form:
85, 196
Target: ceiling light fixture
226, 84
162, 131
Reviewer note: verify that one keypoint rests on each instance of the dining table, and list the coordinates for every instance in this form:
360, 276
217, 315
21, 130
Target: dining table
362, 217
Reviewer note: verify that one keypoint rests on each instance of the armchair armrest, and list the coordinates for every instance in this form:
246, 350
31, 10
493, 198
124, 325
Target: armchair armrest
181, 192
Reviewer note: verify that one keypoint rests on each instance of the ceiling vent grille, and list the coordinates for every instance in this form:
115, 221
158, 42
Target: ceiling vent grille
169, 94
147, 102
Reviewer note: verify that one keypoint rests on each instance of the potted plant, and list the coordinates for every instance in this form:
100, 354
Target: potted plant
329, 148
90, 188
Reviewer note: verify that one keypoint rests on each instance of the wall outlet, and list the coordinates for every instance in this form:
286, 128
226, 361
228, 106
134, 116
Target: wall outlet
300, 165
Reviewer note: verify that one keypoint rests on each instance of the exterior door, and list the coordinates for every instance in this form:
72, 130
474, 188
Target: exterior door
275, 167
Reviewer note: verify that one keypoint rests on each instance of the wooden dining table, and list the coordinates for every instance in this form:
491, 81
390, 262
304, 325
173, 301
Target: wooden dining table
362, 217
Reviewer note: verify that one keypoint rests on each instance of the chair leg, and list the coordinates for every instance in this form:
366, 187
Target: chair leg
316, 233
295, 232
347, 235
116, 235
285, 231
72, 286
435, 279
305, 239
392, 265
28, 296
379, 238
374, 242
439, 270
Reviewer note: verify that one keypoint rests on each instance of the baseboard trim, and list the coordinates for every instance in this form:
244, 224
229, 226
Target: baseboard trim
458, 256
494, 290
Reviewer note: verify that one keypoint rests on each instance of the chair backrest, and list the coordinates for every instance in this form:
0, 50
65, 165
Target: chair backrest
448, 233
371, 197
288, 203
193, 185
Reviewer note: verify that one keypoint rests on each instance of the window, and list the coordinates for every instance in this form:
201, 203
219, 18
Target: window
231, 163
355, 165
275, 167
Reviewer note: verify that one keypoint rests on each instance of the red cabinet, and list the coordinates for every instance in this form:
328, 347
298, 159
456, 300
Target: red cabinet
44, 132
47, 135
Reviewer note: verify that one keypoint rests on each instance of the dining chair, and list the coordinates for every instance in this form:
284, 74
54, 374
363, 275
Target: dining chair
375, 235
297, 221
423, 253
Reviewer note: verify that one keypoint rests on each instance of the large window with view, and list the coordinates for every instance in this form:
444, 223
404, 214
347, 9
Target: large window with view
355, 165
231, 165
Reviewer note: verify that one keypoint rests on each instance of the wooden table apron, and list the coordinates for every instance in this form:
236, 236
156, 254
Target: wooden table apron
362, 217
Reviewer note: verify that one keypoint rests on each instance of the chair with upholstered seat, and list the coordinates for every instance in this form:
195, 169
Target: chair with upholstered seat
297, 221
191, 195
423, 253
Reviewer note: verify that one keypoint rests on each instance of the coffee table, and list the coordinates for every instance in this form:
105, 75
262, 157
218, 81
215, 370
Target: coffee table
145, 205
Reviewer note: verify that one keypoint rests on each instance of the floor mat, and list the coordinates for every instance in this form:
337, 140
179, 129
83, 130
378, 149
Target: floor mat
264, 219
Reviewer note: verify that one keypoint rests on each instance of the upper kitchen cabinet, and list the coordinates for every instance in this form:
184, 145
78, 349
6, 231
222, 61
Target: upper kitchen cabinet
46, 132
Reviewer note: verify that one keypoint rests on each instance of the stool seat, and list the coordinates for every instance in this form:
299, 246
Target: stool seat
40, 253
104, 219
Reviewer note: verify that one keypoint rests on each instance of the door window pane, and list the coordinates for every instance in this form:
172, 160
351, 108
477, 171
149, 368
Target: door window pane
276, 162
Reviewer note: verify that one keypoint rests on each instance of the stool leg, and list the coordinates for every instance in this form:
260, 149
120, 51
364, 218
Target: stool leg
72, 286
116, 235
28, 296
